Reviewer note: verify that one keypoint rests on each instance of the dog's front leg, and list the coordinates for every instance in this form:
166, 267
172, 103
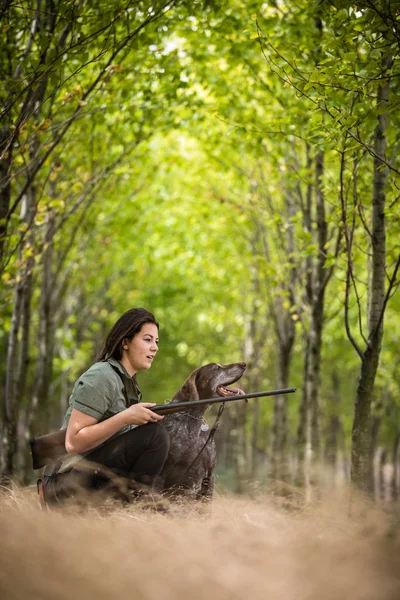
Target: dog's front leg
159, 482
207, 488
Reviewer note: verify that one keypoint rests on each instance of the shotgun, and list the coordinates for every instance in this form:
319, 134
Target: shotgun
51, 447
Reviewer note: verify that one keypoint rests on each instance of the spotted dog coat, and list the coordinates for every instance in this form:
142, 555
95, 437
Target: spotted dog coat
189, 432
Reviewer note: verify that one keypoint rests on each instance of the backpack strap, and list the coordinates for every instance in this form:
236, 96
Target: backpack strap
124, 384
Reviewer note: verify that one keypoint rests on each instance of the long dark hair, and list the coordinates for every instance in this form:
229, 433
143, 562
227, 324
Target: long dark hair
126, 327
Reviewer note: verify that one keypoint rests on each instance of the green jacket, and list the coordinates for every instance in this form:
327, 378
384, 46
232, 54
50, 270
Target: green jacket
102, 392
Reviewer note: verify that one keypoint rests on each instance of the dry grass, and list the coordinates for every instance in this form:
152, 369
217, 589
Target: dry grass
341, 549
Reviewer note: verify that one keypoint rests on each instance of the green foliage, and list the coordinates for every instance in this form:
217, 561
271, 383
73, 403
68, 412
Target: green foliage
171, 159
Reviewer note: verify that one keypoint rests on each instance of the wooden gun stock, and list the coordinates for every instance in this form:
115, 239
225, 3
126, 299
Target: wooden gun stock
47, 448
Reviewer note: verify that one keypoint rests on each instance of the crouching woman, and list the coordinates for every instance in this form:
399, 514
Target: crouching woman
109, 430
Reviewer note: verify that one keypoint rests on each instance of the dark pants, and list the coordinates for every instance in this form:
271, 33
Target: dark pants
137, 456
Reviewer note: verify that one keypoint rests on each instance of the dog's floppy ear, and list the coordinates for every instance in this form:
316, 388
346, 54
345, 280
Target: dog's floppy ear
189, 388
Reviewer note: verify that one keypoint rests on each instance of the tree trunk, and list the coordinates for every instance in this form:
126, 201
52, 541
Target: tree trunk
5, 187
381, 495
40, 394
334, 426
255, 436
281, 310
308, 435
279, 433
373, 484
18, 342
223, 442
240, 454
302, 429
11, 382
304, 420
361, 433
317, 311
17, 359
23, 360
396, 473
252, 353
361, 473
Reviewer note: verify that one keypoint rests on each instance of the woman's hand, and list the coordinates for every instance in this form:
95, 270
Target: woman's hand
139, 414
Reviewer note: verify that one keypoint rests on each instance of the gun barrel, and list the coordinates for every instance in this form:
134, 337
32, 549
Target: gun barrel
171, 407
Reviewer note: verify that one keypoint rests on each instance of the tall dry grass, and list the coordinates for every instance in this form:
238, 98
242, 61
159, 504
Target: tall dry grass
341, 548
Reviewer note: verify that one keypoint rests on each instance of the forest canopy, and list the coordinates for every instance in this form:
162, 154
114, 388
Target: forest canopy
234, 168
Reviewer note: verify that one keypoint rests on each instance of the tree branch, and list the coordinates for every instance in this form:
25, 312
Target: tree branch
103, 73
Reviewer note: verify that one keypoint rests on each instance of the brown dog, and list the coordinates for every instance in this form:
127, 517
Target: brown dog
183, 473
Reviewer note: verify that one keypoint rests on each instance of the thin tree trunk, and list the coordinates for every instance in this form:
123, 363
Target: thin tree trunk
334, 424
303, 433
11, 381
373, 485
222, 442
252, 352
255, 436
302, 428
40, 394
5, 186
254, 377
17, 355
23, 359
361, 433
240, 453
279, 432
285, 330
18, 342
396, 473
382, 487
308, 436
317, 312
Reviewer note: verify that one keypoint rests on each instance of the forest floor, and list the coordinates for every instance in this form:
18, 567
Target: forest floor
341, 547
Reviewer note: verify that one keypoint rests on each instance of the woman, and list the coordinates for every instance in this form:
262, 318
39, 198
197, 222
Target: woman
106, 423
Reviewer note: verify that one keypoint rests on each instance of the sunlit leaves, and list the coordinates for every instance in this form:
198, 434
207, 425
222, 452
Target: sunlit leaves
171, 187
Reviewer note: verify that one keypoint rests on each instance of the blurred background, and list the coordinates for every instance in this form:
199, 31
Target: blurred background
234, 168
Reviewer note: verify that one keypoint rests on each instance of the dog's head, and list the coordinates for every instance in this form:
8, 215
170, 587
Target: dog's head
207, 381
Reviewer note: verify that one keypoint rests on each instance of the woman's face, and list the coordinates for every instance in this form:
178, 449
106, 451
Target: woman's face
139, 353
